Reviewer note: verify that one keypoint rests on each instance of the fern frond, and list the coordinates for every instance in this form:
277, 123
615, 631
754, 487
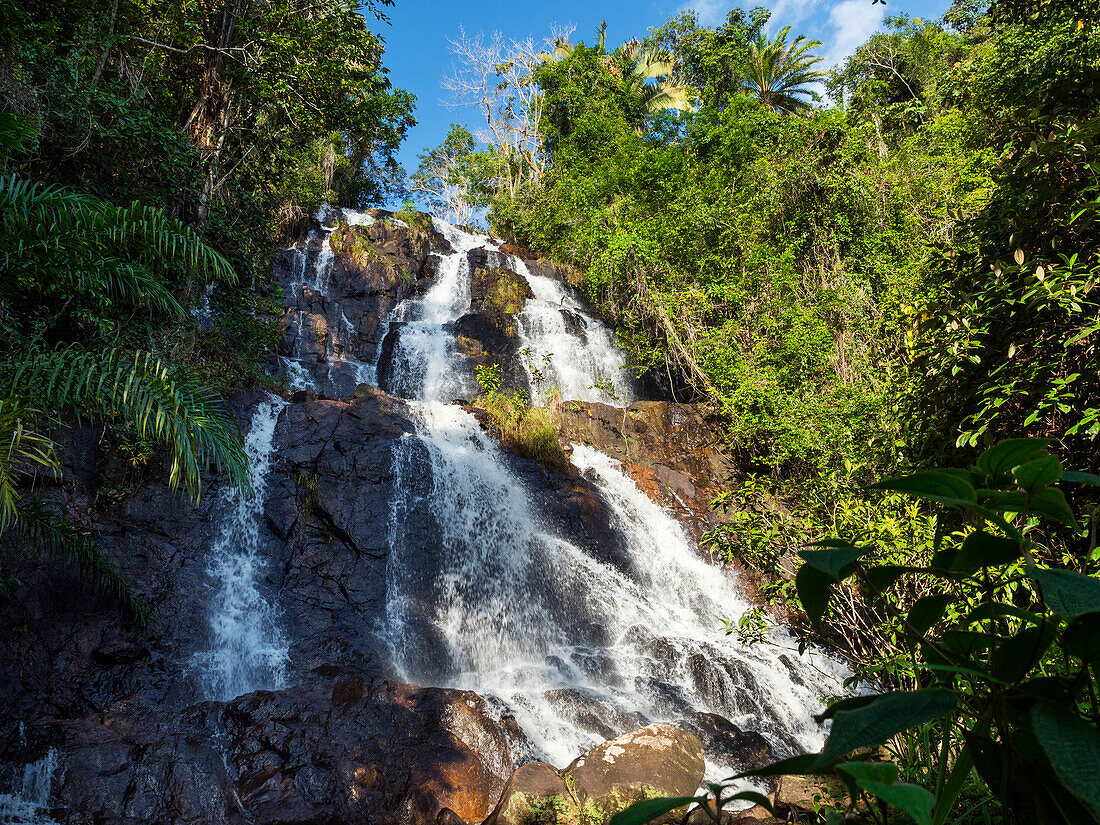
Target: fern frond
55, 219
165, 238
159, 400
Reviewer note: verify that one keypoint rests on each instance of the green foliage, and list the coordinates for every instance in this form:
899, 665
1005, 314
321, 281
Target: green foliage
531, 432
82, 268
779, 73
1002, 651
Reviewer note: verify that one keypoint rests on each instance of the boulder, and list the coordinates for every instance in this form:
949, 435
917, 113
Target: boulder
536, 794
655, 761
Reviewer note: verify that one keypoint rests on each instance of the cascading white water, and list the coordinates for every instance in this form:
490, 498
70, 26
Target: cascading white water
313, 271
567, 350
27, 802
248, 651
578, 648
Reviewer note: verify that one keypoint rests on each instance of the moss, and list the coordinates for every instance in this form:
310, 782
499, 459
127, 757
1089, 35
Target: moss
349, 243
506, 293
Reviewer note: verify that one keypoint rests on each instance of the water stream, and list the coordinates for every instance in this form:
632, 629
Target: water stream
577, 648
247, 651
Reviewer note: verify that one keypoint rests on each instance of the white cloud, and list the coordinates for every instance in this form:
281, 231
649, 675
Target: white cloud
790, 13
852, 21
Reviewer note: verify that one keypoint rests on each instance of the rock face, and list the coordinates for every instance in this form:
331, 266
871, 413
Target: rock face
669, 450
355, 752
367, 271
342, 739
655, 761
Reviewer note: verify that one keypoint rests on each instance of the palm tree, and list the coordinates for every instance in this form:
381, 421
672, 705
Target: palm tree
646, 65
777, 72
642, 65
60, 247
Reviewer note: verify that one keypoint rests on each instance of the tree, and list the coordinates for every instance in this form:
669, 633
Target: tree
454, 178
777, 73
495, 77
72, 260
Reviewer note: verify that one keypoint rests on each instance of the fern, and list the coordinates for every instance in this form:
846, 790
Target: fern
21, 450
50, 219
158, 400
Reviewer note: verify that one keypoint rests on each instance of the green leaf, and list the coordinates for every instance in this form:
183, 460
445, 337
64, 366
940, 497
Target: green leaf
1037, 473
1082, 638
649, 809
851, 703
1048, 502
1073, 748
874, 723
834, 562
926, 611
933, 485
884, 772
912, 799
980, 549
813, 591
1019, 653
753, 797
802, 765
882, 578
1081, 478
999, 459
1068, 593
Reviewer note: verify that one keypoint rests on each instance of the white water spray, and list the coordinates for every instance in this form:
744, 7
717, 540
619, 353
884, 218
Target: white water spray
578, 647
248, 651
27, 803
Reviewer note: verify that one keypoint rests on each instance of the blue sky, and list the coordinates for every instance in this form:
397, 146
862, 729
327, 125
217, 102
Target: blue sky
418, 57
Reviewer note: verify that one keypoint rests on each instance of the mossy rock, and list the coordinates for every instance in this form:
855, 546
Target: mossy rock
535, 794
499, 289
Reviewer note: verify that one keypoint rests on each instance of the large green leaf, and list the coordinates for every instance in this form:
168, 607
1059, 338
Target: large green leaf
980, 549
933, 485
999, 459
1048, 502
1081, 478
835, 562
1068, 593
813, 591
649, 809
926, 611
1073, 747
1082, 638
872, 724
1037, 473
1018, 654
802, 765
912, 799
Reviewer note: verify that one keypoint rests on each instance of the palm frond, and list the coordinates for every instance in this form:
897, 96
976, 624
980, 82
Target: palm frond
158, 400
22, 449
779, 73
54, 218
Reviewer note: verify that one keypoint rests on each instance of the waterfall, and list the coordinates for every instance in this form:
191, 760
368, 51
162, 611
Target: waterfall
577, 648
248, 651
27, 803
566, 348
313, 271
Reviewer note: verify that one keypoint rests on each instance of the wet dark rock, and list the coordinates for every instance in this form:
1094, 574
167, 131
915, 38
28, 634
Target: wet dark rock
343, 754
722, 740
